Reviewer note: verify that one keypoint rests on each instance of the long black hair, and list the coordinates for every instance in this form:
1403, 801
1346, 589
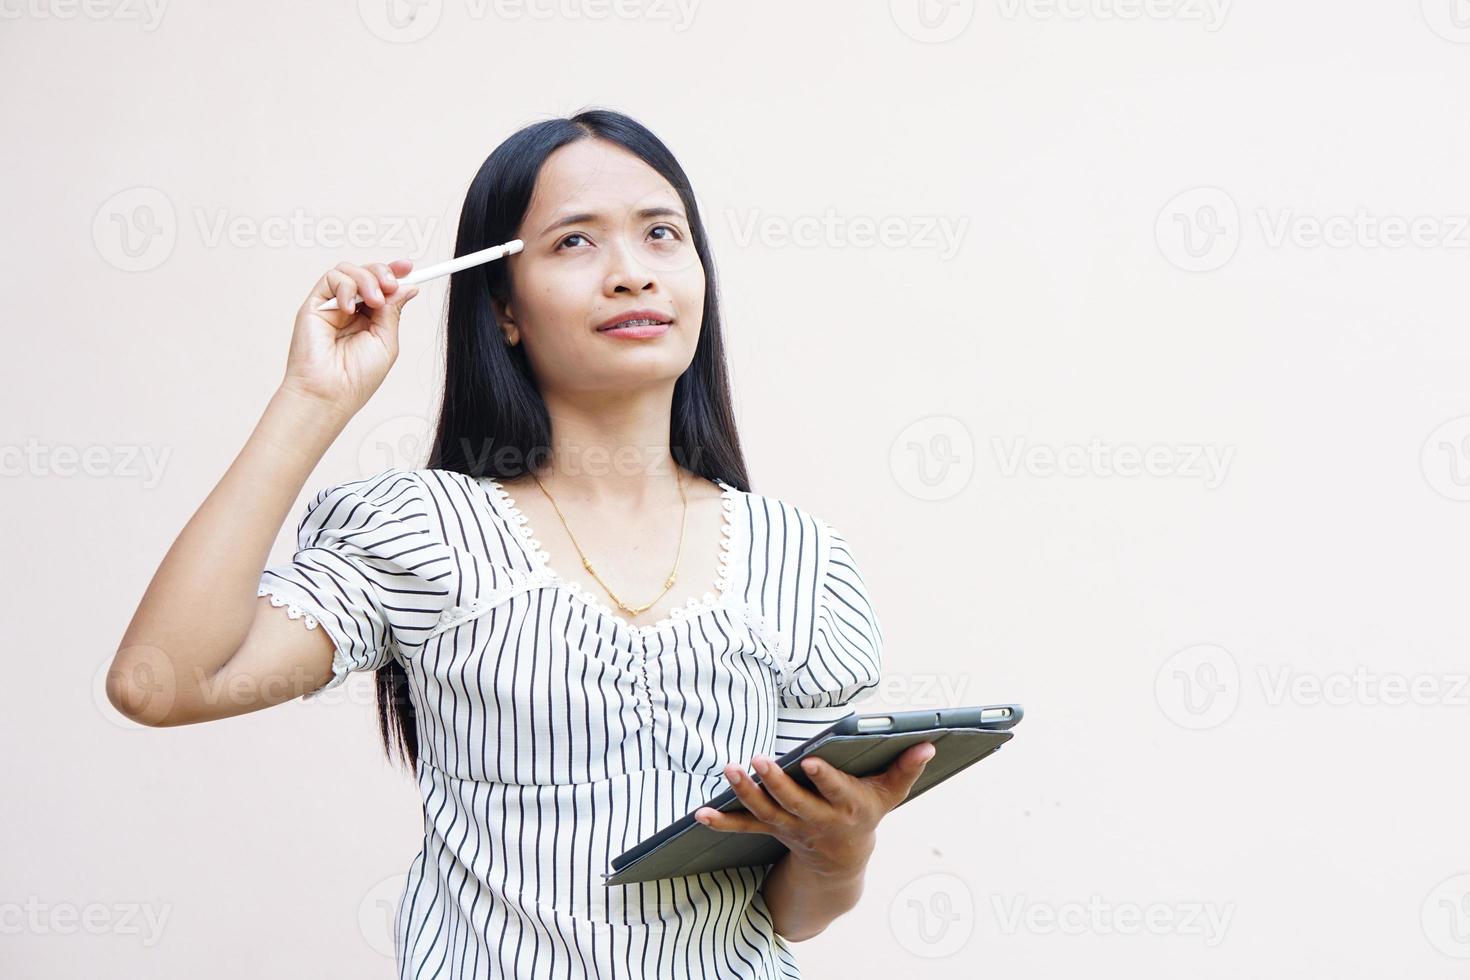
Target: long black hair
492, 419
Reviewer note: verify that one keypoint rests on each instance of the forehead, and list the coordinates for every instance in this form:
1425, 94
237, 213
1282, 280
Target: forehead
593, 175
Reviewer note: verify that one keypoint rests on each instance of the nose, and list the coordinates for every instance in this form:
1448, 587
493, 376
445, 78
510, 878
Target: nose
626, 271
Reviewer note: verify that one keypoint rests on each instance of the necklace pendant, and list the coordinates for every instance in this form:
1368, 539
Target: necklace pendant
587, 562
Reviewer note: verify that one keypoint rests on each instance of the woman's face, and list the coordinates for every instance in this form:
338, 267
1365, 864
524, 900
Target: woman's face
604, 235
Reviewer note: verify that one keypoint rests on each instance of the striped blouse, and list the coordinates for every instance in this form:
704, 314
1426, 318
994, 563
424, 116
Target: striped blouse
553, 735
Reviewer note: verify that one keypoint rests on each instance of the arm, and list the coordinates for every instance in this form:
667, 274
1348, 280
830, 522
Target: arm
201, 644
200, 607
804, 900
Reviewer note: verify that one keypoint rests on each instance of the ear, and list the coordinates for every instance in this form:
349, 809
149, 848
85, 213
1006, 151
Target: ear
506, 318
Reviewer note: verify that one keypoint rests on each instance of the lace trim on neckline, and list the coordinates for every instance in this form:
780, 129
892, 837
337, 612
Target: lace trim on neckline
695, 606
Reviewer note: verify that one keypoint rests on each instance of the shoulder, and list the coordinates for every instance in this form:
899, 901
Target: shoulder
429, 491
797, 562
786, 528
410, 501
335, 503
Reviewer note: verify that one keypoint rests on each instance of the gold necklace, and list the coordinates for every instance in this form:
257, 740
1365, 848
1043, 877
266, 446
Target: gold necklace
587, 563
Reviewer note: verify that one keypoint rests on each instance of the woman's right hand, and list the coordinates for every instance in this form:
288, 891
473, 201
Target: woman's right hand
340, 357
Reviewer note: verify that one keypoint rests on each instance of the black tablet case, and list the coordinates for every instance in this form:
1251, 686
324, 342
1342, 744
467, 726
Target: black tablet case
688, 847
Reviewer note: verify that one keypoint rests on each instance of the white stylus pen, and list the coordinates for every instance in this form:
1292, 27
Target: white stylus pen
445, 268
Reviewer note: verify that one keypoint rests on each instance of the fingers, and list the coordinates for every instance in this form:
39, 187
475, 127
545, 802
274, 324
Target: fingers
731, 823
793, 797
755, 798
368, 285
387, 282
898, 779
764, 816
835, 785
364, 283
335, 285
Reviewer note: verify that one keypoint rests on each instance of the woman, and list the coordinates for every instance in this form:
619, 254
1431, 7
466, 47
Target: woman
555, 712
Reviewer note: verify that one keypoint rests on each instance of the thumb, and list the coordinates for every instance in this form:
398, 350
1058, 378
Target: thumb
394, 308
404, 296
900, 777
386, 318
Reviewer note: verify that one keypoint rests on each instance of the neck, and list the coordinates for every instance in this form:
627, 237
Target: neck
612, 449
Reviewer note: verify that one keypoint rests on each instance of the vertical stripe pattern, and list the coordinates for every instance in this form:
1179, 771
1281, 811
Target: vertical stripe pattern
553, 734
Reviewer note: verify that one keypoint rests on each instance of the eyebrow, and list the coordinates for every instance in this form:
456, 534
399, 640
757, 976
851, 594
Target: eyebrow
588, 217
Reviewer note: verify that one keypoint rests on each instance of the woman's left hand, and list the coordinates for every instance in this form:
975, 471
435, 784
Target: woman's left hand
832, 831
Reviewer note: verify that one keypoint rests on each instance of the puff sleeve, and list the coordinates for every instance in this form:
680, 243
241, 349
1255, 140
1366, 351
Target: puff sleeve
368, 569
845, 653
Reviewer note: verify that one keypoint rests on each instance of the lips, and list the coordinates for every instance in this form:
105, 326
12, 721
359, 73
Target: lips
656, 316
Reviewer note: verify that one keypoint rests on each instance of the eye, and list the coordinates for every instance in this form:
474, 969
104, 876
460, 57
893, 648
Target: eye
569, 238
673, 233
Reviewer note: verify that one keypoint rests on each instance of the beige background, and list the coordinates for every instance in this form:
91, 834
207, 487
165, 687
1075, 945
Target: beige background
1130, 203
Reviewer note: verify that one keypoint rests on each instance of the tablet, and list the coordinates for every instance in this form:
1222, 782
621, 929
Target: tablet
860, 745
